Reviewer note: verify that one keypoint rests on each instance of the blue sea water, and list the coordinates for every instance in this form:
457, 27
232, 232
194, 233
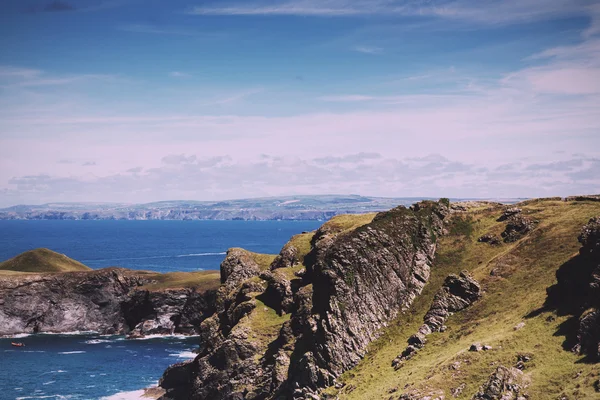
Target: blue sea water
92, 367
161, 246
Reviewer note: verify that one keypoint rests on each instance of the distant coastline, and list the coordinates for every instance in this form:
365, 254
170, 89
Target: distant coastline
263, 209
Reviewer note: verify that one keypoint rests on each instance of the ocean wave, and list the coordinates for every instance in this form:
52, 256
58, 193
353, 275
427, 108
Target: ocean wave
48, 383
202, 254
190, 355
59, 371
71, 352
52, 396
97, 341
71, 333
134, 395
157, 257
148, 337
17, 336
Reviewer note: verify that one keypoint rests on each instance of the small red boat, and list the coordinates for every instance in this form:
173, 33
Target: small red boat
16, 344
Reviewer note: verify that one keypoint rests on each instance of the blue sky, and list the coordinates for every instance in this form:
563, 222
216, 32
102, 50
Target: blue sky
136, 101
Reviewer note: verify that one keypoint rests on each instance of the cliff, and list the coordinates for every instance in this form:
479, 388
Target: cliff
472, 300
332, 315
108, 301
358, 275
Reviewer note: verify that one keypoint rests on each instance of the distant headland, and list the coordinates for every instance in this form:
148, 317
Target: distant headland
321, 207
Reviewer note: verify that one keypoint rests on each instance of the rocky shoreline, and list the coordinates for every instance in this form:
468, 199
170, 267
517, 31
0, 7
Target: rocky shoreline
111, 301
289, 327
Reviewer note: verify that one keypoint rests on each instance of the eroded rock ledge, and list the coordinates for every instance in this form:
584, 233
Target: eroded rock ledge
108, 301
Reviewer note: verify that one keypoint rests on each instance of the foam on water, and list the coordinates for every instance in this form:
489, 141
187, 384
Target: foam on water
97, 341
190, 355
71, 352
133, 395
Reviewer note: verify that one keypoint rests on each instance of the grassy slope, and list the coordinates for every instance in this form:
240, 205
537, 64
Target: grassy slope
42, 260
200, 280
528, 267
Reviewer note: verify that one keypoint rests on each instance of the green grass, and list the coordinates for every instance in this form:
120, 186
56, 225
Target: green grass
302, 243
348, 222
42, 260
263, 260
200, 280
527, 268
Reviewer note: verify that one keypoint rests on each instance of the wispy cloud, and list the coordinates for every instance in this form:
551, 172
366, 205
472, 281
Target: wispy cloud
368, 49
486, 11
222, 177
26, 77
179, 74
16, 72
157, 30
236, 97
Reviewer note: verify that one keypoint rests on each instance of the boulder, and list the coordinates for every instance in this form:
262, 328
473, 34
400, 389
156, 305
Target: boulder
238, 266
503, 384
489, 238
517, 227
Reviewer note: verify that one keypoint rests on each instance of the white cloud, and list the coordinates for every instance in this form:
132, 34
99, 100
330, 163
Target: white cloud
179, 74
26, 77
368, 49
157, 30
21, 73
221, 177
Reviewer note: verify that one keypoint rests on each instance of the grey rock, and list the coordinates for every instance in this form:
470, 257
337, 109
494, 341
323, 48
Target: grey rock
503, 384
237, 267
456, 294
489, 238
517, 227
508, 213
476, 347
288, 257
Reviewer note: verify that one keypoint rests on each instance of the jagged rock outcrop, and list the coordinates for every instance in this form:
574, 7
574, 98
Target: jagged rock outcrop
517, 226
503, 384
108, 301
361, 280
237, 267
590, 197
578, 290
489, 238
288, 257
509, 212
167, 311
227, 359
279, 292
456, 294
355, 283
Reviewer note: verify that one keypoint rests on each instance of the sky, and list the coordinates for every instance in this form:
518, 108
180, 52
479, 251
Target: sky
148, 100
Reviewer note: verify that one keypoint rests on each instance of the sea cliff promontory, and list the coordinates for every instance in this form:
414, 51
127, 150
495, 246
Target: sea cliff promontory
440, 300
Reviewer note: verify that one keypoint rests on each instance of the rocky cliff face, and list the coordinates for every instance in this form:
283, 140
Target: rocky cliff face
355, 283
109, 301
578, 290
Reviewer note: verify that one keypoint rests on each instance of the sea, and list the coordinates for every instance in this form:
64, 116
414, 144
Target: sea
84, 365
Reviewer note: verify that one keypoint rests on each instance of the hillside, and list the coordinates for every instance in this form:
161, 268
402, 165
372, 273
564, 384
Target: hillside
511, 316
42, 260
339, 308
